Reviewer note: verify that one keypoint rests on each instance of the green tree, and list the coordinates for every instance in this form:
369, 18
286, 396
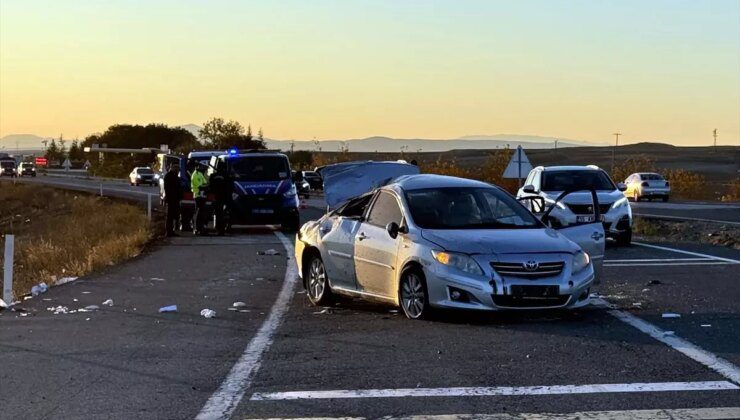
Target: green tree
76, 153
62, 149
222, 135
260, 136
52, 152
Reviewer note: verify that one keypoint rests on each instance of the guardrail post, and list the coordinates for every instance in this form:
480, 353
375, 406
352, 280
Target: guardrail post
8, 269
101, 189
149, 206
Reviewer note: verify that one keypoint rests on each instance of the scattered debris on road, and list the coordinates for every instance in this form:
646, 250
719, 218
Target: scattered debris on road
108, 302
706, 325
324, 311
64, 280
208, 313
239, 304
268, 252
3, 305
170, 308
39, 289
90, 308
671, 315
58, 309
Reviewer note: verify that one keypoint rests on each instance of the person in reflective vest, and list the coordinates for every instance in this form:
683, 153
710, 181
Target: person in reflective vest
199, 185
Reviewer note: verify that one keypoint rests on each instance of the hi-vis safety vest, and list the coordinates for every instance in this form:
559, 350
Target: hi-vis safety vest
197, 181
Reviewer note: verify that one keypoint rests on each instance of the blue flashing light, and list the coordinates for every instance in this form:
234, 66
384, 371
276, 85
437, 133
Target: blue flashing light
233, 151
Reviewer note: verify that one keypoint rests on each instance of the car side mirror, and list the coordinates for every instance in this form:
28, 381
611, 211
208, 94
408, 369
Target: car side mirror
622, 186
535, 204
529, 189
394, 229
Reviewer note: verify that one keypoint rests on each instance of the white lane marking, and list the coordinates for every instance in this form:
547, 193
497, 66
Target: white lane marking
497, 391
224, 401
688, 349
653, 260
691, 219
681, 251
668, 264
714, 413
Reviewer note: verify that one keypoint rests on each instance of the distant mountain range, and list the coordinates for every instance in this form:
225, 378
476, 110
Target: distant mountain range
369, 144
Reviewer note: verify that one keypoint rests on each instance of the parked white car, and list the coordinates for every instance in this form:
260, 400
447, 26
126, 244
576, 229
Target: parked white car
647, 185
552, 181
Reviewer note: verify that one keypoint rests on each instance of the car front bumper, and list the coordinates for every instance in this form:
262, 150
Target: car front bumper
495, 293
614, 221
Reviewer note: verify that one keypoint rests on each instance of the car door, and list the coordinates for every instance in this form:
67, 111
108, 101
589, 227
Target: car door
375, 250
338, 241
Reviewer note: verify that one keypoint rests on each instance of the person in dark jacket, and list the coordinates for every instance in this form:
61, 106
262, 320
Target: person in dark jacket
172, 197
222, 185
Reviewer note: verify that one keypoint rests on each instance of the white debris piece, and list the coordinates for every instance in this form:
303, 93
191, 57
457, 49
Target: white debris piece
208, 313
232, 309
239, 304
85, 293
108, 302
170, 308
39, 289
92, 308
269, 252
58, 309
671, 315
3, 304
706, 325
323, 311
64, 280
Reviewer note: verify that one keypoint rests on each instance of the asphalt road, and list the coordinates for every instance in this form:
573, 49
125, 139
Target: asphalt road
286, 358
709, 212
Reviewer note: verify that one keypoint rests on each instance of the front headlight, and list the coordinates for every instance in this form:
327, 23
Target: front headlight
580, 261
138, 176
460, 261
291, 192
620, 203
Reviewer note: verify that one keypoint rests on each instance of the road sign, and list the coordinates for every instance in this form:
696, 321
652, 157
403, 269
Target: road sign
41, 161
519, 165
67, 164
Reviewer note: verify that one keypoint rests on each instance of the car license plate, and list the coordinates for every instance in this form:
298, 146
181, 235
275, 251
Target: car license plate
588, 219
534, 291
263, 211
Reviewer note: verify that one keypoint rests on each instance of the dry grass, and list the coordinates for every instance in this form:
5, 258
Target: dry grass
696, 232
61, 233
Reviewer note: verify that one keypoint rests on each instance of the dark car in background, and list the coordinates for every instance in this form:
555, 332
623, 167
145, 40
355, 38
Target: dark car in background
8, 168
314, 180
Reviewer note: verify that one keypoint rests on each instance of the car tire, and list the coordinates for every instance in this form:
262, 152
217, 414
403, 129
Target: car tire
412, 294
625, 238
317, 282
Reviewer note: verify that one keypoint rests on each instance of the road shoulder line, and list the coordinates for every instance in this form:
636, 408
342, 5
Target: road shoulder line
225, 400
681, 251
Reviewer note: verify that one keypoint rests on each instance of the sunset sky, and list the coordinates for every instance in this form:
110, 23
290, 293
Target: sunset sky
654, 70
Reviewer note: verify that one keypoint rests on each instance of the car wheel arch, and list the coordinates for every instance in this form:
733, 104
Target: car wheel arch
309, 252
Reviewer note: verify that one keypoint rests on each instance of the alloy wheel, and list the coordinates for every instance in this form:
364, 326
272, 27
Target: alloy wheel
412, 296
316, 280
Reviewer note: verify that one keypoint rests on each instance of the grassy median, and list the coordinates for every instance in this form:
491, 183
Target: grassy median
67, 234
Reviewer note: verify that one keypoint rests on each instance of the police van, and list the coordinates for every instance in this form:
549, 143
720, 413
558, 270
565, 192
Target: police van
264, 190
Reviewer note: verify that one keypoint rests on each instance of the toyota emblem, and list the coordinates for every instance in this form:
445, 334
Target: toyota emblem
531, 265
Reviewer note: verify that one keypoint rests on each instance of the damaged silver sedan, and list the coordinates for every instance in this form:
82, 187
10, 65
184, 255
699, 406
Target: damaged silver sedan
424, 242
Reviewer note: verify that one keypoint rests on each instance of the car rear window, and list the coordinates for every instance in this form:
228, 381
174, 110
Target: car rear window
651, 177
145, 171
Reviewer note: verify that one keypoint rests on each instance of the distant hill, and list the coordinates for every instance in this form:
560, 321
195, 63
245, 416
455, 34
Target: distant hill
369, 144
11, 142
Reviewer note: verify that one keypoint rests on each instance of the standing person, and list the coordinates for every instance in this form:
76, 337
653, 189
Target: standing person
198, 184
172, 197
222, 186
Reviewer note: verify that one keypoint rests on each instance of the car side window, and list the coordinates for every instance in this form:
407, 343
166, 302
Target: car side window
529, 178
356, 207
384, 210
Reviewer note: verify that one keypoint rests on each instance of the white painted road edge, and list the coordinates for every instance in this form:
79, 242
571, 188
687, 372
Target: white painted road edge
681, 251
225, 400
717, 413
687, 219
497, 391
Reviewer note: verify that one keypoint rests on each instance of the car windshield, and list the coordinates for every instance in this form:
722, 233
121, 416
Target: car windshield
468, 208
7, 164
259, 168
651, 177
576, 180
145, 171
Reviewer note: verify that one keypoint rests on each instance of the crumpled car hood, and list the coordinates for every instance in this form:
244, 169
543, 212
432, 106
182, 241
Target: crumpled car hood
343, 181
500, 241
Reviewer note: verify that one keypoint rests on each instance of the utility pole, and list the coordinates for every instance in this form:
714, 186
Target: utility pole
556, 145
715, 139
614, 149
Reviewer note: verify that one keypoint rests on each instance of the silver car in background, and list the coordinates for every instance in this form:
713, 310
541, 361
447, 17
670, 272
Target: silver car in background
647, 185
427, 241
